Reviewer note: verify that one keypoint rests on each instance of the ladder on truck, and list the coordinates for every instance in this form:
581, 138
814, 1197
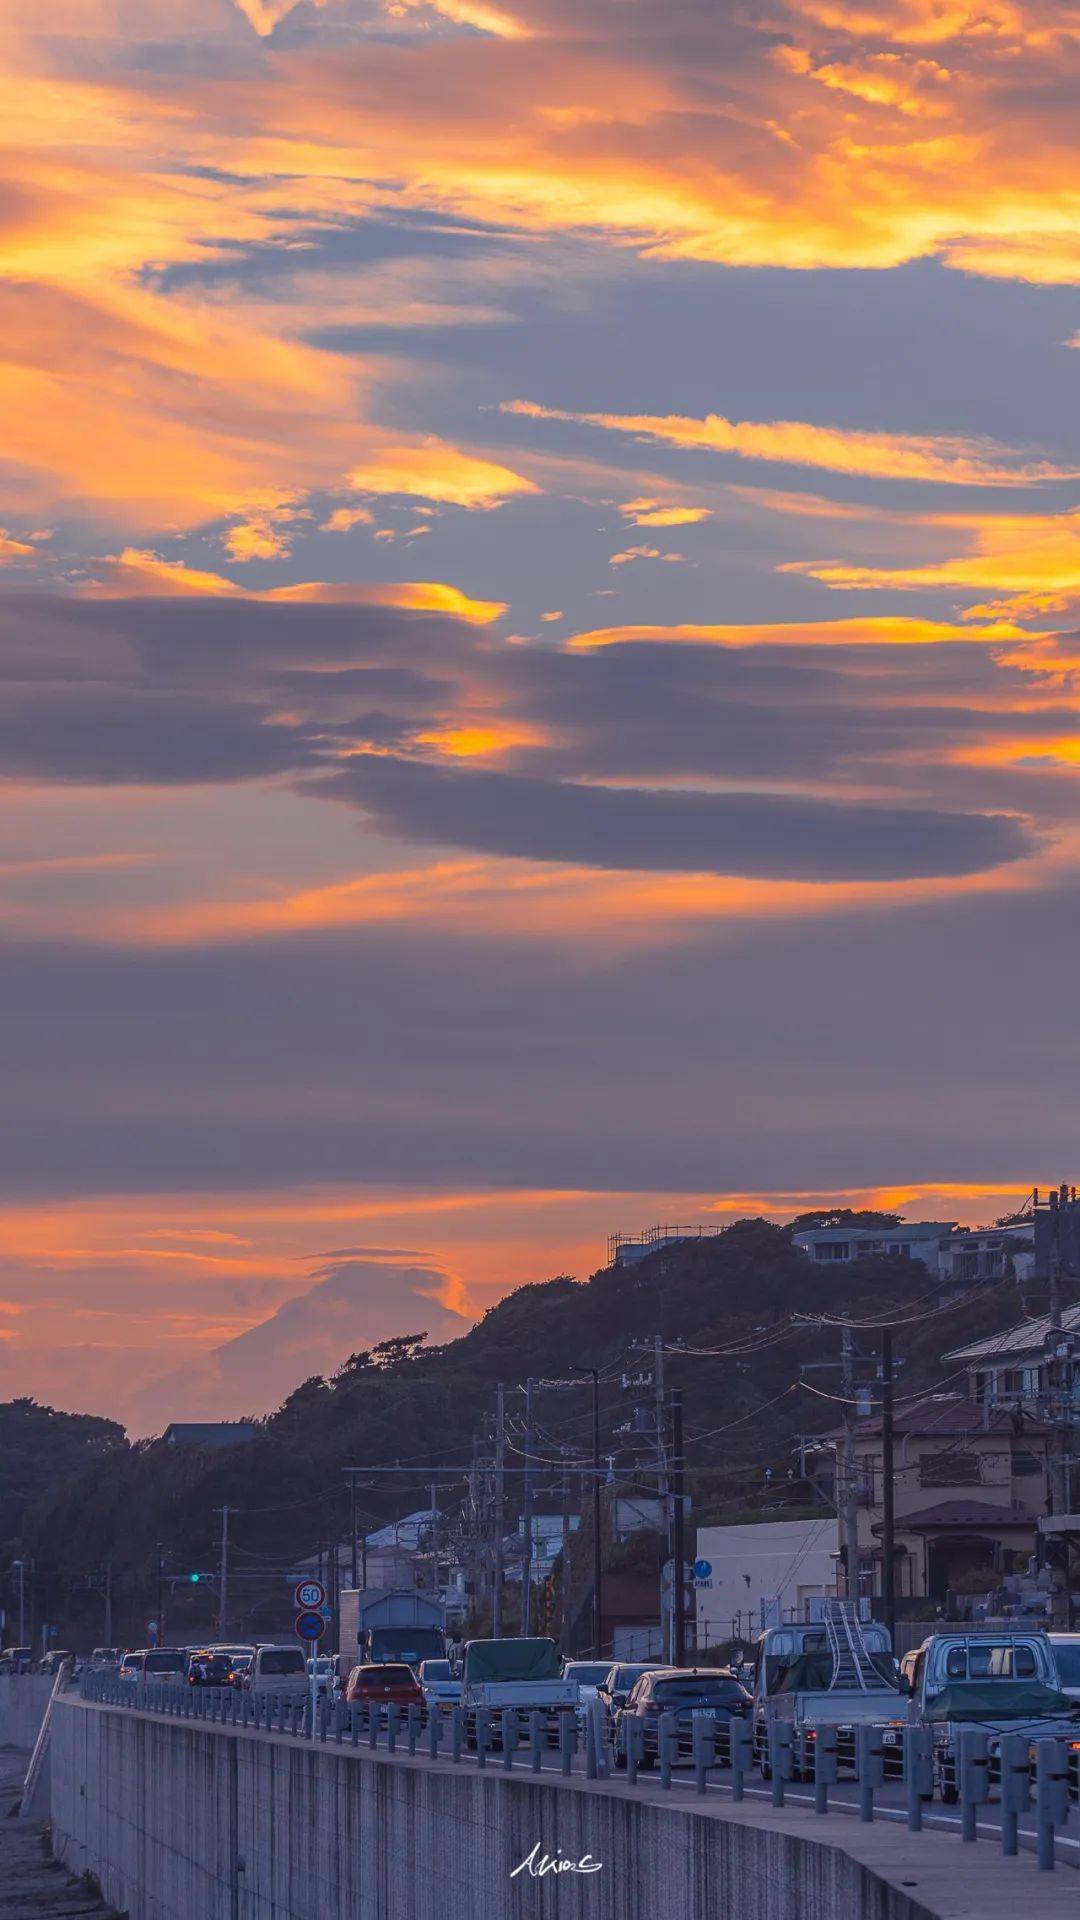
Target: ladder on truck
853, 1665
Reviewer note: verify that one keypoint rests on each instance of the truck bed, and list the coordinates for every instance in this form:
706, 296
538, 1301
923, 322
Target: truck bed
838, 1706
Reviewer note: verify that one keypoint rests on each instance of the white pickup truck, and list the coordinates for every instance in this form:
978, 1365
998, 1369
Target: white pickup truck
522, 1674
999, 1680
794, 1684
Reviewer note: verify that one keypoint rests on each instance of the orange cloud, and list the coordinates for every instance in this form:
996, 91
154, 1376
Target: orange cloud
485, 741
435, 471
1033, 559
642, 553
652, 513
534, 900
138, 571
878, 630
901, 456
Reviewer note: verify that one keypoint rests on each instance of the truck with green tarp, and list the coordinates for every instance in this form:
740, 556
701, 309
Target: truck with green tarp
999, 1680
521, 1674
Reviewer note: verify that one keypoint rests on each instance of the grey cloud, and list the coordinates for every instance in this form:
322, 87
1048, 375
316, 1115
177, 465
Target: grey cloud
760, 834
834, 1051
120, 735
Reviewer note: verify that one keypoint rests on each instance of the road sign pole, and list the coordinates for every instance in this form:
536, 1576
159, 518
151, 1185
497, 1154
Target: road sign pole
310, 1598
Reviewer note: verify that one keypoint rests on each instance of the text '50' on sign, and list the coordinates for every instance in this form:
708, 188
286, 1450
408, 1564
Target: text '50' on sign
310, 1593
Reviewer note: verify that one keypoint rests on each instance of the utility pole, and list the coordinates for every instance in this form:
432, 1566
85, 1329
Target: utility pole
598, 1602
352, 1529
566, 1569
108, 1603
526, 1519
678, 1571
888, 1526
223, 1573
848, 1495
661, 1450
434, 1542
500, 1519
160, 1595
1059, 1472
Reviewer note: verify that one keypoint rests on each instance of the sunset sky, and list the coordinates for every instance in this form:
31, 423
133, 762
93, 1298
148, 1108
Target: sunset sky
540, 577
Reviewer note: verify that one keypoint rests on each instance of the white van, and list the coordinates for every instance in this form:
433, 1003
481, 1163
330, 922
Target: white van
279, 1670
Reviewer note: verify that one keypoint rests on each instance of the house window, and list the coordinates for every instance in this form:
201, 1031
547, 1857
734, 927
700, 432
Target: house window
832, 1250
1026, 1465
949, 1469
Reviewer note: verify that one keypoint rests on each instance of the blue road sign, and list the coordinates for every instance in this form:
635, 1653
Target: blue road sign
310, 1626
702, 1569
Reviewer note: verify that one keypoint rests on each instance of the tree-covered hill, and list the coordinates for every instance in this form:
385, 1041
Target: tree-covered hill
403, 1402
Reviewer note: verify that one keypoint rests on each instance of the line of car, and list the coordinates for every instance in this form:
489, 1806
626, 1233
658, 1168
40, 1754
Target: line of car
1010, 1680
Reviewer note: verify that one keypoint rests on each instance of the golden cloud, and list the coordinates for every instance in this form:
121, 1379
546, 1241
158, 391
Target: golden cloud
1033, 559
432, 470
878, 630
653, 513
893, 456
138, 571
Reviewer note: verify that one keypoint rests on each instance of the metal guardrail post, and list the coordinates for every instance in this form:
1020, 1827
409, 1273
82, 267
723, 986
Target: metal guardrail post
590, 1748
434, 1734
869, 1767
634, 1735
483, 1735
741, 1756
1014, 1759
457, 1724
703, 1740
509, 1734
667, 1738
413, 1717
780, 1742
825, 1767
567, 1741
391, 1728
1051, 1797
536, 1748
973, 1761
918, 1773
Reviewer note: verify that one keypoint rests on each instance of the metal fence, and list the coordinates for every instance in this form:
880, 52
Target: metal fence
1038, 1776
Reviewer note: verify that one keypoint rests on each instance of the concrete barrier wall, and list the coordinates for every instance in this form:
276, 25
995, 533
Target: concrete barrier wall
184, 1821
23, 1699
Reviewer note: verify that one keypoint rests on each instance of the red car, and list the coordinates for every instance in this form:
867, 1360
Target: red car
385, 1685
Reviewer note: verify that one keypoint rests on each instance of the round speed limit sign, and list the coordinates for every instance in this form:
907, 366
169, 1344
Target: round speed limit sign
310, 1593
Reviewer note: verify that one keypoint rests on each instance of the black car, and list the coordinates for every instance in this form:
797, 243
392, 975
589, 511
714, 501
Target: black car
684, 1691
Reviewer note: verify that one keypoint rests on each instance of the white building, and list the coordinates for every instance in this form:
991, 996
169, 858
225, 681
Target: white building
912, 1240
1024, 1364
761, 1575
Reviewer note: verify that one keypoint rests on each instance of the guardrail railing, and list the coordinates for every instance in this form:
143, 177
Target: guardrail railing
1031, 1775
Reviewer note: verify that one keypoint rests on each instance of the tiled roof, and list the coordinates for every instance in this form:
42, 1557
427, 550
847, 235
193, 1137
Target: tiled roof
945, 1413
961, 1513
1029, 1336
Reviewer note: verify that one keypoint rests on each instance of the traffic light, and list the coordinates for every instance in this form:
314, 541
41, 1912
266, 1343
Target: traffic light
194, 1578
